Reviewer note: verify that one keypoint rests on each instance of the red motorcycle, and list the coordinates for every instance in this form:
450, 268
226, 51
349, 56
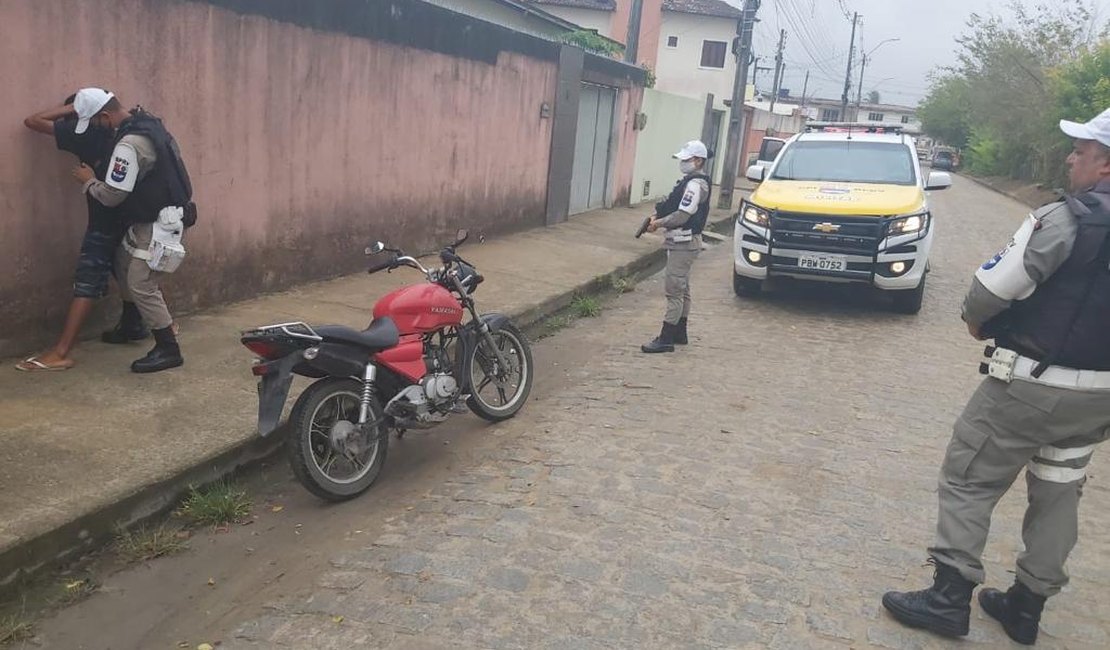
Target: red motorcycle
417, 358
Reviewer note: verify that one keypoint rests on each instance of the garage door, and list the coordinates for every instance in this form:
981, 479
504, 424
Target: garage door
590, 176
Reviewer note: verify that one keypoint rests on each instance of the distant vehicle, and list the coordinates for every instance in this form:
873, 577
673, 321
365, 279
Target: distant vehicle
944, 160
769, 150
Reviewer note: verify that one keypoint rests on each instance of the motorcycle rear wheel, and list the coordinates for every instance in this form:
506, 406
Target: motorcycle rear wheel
327, 406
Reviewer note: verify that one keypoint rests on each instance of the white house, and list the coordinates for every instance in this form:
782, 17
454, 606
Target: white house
695, 49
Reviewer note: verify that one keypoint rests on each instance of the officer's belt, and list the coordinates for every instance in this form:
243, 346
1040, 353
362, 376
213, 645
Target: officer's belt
1060, 376
137, 253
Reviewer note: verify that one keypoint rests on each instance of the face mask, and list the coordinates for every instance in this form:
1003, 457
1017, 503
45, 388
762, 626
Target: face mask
687, 166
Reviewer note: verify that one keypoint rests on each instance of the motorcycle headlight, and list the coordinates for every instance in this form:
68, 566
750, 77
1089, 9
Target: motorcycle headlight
755, 215
910, 224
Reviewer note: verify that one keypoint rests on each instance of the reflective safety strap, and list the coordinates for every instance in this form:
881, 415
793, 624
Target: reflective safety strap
1064, 453
1054, 474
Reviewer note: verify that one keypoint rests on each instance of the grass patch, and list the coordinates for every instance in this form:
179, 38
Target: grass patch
75, 591
556, 323
217, 504
14, 628
621, 284
144, 543
586, 307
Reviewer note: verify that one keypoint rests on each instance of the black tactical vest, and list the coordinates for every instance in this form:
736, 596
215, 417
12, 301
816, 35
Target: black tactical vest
1066, 322
696, 222
167, 184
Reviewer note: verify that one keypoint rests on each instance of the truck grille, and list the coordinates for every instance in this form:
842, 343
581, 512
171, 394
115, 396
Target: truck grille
852, 235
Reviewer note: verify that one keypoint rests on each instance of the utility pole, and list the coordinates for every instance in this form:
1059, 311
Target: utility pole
736, 115
848, 72
805, 88
630, 51
755, 68
778, 70
859, 92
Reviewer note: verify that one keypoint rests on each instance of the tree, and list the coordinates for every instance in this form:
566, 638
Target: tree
946, 113
1002, 98
873, 97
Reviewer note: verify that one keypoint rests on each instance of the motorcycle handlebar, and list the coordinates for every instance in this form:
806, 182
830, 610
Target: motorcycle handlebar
389, 263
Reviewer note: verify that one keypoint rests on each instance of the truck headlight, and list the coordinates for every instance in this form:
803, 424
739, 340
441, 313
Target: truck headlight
755, 215
909, 224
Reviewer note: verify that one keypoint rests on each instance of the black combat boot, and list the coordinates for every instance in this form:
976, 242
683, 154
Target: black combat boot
680, 337
1018, 610
662, 343
944, 608
129, 328
165, 355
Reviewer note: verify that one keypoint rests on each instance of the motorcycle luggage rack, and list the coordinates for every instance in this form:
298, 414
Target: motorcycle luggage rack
306, 331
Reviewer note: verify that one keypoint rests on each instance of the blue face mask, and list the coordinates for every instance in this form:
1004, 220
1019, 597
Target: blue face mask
687, 166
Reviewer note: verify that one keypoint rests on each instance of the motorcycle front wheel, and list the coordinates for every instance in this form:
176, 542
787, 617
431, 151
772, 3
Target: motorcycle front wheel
330, 455
498, 393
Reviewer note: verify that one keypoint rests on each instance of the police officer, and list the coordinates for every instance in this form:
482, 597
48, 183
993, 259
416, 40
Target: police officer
1045, 299
91, 142
682, 217
143, 177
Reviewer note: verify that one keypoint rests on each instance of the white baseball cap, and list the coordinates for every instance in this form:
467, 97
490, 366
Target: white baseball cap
1097, 129
87, 103
693, 149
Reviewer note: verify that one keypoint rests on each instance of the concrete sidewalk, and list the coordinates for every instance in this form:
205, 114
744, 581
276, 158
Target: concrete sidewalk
86, 450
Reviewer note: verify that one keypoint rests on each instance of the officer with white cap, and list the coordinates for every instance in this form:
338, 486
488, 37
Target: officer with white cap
1045, 406
682, 216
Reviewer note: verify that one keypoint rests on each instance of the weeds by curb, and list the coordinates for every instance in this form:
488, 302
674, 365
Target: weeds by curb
218, 504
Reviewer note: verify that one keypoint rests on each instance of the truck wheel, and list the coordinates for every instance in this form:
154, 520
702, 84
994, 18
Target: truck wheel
746, 287
908, 301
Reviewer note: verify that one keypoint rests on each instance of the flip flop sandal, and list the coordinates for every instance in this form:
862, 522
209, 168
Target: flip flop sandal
32, 364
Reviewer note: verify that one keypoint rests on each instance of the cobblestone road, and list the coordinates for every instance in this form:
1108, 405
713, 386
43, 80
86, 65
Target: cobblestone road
759, 489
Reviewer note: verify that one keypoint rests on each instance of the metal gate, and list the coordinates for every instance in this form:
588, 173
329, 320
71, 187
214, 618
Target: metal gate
590, 176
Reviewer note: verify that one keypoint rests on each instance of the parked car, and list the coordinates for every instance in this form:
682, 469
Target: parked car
944, 160
839, 205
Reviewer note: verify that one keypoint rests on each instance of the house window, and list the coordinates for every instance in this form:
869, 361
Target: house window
672, 41
875, 117
713, 54
905, 119
830, 115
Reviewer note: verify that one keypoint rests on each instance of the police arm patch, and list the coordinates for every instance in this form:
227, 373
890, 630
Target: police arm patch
691, 198
123, 168
1004, 275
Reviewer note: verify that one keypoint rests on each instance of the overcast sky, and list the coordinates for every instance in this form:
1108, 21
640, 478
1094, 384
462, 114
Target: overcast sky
818, 33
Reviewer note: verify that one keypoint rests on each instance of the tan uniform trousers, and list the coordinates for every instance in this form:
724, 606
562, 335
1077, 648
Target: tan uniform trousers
138, 283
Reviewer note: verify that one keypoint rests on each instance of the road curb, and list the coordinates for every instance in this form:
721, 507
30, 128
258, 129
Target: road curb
996, 190
88, 532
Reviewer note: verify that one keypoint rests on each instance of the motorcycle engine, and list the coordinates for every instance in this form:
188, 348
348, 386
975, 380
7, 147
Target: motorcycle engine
425, 404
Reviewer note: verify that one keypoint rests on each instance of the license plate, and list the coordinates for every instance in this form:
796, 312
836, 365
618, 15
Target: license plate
823, 262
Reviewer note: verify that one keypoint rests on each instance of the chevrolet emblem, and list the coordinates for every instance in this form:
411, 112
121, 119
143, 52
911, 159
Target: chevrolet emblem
826, 227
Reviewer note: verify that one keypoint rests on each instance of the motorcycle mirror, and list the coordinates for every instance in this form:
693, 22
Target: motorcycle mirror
461, 236
375, 248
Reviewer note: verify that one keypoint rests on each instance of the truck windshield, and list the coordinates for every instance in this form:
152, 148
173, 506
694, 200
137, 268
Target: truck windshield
847, 162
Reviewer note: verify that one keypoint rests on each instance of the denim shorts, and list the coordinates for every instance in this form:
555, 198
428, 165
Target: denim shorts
95, 264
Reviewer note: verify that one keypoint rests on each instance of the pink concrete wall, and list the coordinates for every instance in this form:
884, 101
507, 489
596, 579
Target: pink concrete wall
651, 20
302, 145
629, 102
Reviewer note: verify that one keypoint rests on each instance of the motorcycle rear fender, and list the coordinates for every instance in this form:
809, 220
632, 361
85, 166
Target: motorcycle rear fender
276, 377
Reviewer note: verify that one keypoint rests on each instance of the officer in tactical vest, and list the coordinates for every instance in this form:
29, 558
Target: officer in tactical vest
148, 182
1045, 299
682, 217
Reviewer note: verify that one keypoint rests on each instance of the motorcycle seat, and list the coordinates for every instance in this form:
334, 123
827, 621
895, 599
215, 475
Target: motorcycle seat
381, 335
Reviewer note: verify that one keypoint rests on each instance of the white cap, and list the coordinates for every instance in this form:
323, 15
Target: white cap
693, 149
87, 103
1097, 129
